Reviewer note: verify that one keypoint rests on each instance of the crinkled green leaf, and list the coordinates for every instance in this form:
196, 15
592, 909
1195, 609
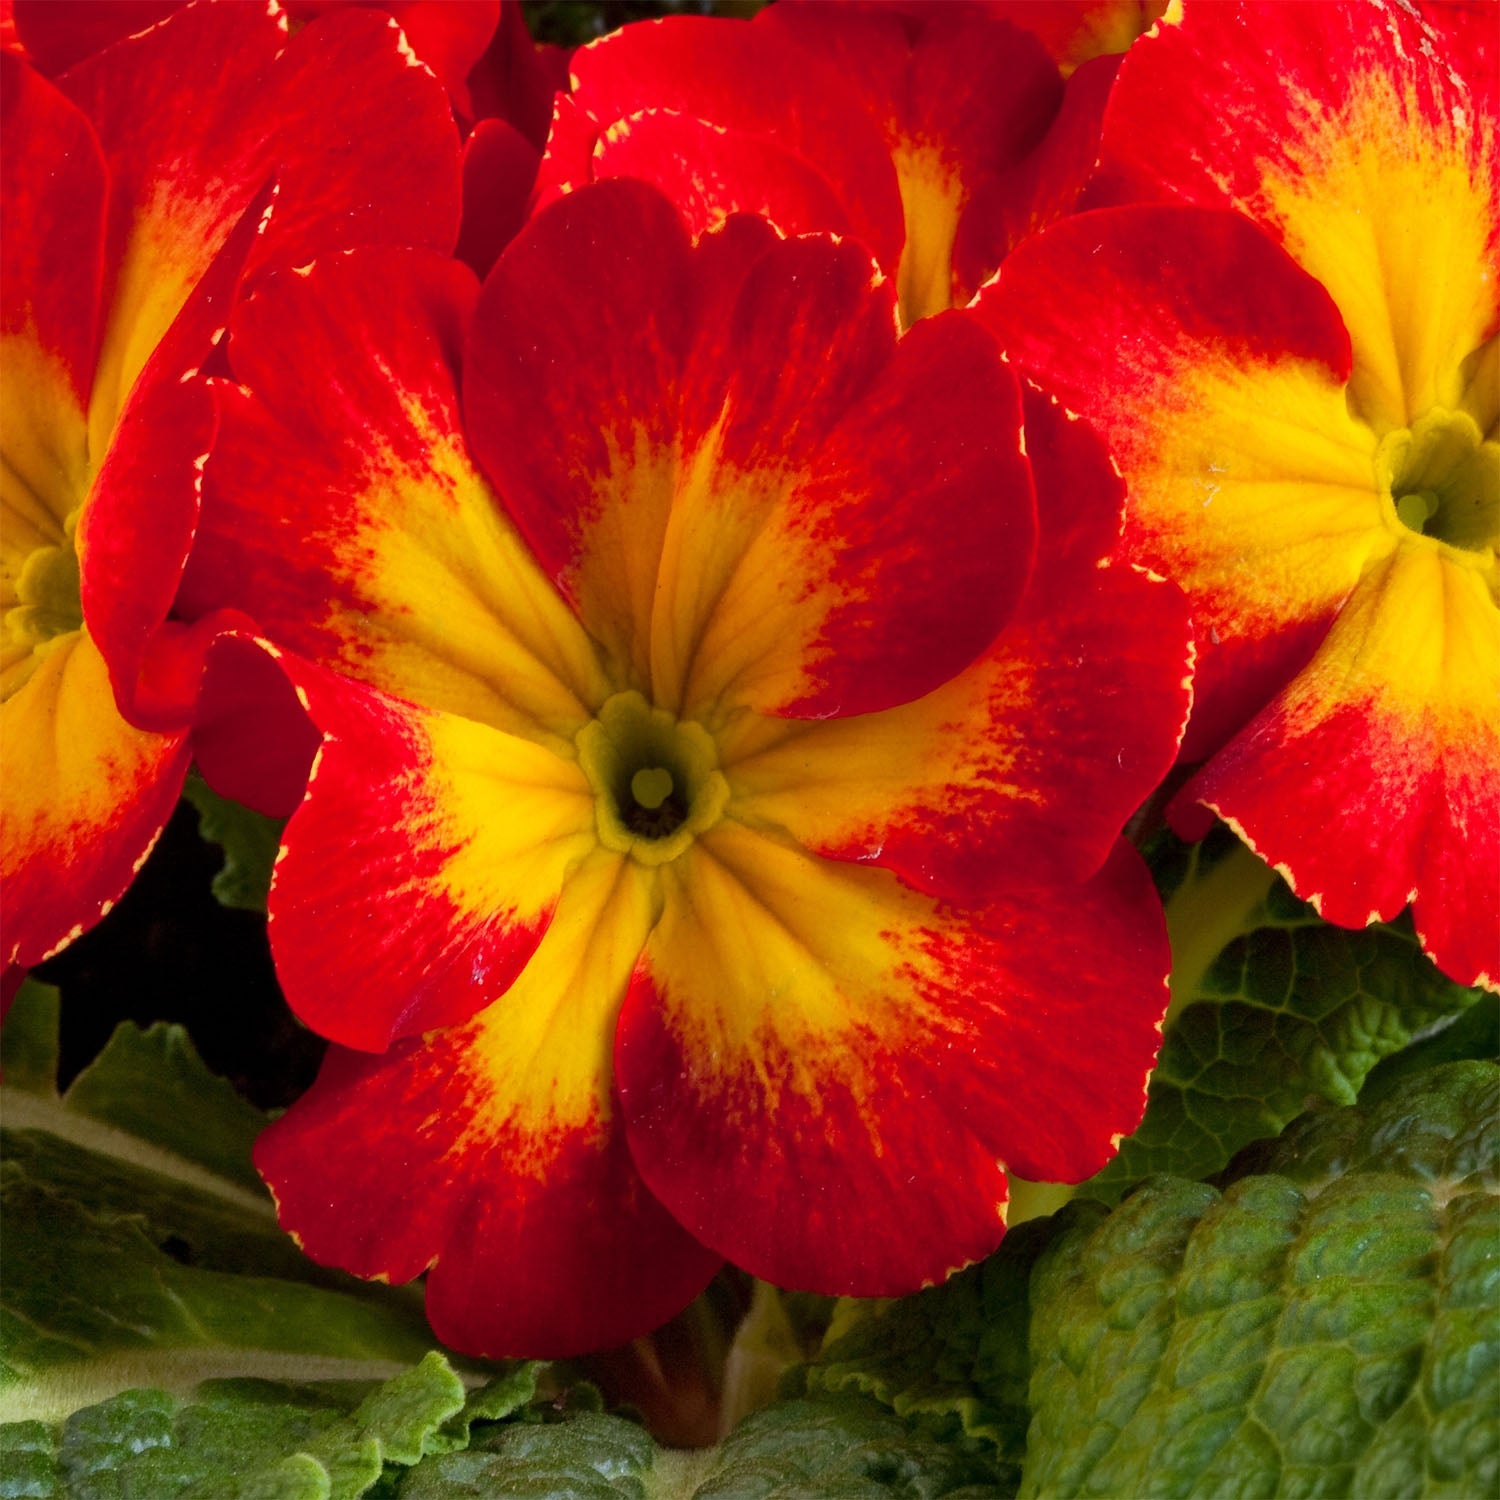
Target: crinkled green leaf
1475, 1034
139, 1248
1270, 1006
834, 1448
236, 1440
588, 1455
1328, 1325
249, 841
844, 1448
953, 1358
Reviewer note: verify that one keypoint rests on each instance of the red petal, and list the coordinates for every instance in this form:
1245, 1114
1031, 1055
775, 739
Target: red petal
1214, 369
130, 573
1044, 186
57, 36
348, 519
54, 184
492, 1154
824, 1075
1025, 767
86, 796
1373, 780
774, 503
199, 113
709, 173
516, 80
1335, 127
748, 80
958, 100
252, 739
448, 38
418, 876
500, 169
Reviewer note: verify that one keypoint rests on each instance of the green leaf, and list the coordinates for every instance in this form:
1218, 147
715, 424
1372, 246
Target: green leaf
844, 1448
237, 1440
140, 1248
1475, 1034
841, 1448
1270, 1006
1328, 1324
952, 1358
249, 841
28, 1042
588, 1455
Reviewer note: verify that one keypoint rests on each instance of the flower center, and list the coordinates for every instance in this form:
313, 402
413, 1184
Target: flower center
1444, 480
47, 603
656, 779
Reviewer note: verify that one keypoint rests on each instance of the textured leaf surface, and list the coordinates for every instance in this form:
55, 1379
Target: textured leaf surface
841, 1448
952, 1358
139, 1247
1270, 1006
1329, 1325
239, 1439
844, 1448
249, 841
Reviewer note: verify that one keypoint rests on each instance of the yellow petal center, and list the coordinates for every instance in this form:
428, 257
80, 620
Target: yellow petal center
44, 605
1443, 480
656, 778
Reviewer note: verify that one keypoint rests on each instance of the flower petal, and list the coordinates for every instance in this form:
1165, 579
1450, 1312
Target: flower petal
500, 170
710, 173
747, 79
1374, 779
824, 1074
1215, 371
53, 183
57, 36
86, 796
1043, 186
1024, 768
1338, 128
252, 739
727, 486
348, 519
958, 99
492, 1153
420, 872
833, 565
1074, 31
198, 113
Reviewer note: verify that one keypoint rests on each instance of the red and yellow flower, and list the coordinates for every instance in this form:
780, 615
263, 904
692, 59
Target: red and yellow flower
939, 136
1292, 352
712, 851
139, 190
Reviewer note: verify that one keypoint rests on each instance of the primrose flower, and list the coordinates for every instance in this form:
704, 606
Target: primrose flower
939, 137
1293, 356
137, 194
712, 851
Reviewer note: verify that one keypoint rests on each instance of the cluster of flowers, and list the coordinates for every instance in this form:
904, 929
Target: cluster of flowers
714, 537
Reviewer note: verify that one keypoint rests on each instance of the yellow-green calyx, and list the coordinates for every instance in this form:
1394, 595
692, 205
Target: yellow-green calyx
1444, 480
656, 779
46, 605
